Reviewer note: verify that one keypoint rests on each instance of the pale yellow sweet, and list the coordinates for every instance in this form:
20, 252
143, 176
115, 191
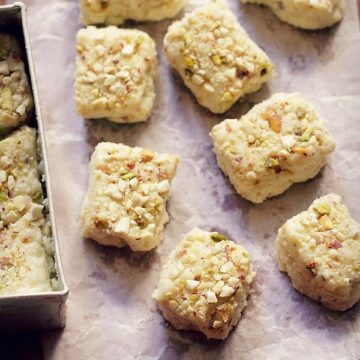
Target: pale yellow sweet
16, 102
204, 284
279, 142
306, 14
126, 200
320, 251
215, 57
115, 12
115, 74
25, 238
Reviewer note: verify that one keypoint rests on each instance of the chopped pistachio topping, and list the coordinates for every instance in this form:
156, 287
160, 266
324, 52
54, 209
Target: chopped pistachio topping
128, 176
6, 95
299, 150
217, 237
322, 208
3, 196
273, 163
326, 222
216, 59
227, 96
189, 62
306, 134
38, 196
274, 120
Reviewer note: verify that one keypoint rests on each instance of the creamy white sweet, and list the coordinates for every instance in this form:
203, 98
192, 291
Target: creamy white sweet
215, 57
115, 12
126, 200
16, 101
306, 14
204, 284
279, 142
115, 74
26, 249
320, 251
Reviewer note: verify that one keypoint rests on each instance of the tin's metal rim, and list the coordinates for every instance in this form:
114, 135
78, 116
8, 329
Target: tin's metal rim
65, 290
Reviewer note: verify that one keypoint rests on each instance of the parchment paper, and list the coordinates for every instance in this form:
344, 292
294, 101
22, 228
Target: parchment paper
110, 313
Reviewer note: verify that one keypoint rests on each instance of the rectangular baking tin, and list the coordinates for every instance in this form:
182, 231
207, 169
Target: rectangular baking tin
46, 310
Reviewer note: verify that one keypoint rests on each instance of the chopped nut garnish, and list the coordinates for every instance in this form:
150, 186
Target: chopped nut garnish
335, 245
208, 47
216, 59
115, 74
189, 62
227, 96
300, 150
15, 93
274, 120
6, 95
227, 291
311, 265
306, 134
326, 222
147, 155
322, 208
211, 297
217, 237
203, 285
131, 203
128, 176
272, 163
3, 196
192, 284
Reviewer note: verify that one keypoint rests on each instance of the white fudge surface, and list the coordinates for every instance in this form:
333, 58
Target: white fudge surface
205, 283
215, 57
16, 101
25, 238
306, 14
320, 251
115, 12
279, 142
126, 200
115, 74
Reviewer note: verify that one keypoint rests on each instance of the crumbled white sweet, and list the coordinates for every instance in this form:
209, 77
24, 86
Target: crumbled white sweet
15, 94
115, 12
115, 74
126, 200
306, 14
320, 251
26, 249
215, 57
199, 289
279, 142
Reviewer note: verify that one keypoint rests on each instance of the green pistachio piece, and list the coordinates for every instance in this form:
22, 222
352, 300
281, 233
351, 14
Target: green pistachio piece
128, 176
217, 237
306, 134
322, 209
3, 196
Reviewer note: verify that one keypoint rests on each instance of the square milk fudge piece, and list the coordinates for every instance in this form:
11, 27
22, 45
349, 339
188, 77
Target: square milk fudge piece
115, 74
16, 101
306, 14
126, 200
215, 57
204, 284
25, 239
115, 12
319, 249
279, 142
